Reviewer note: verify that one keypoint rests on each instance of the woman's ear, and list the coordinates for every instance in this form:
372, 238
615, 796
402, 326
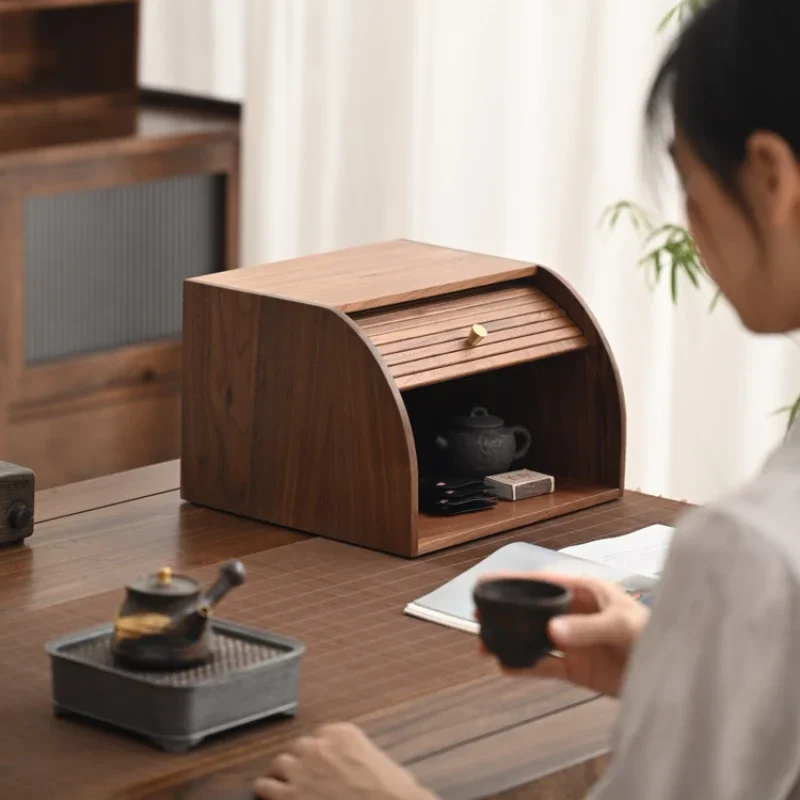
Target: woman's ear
770, 178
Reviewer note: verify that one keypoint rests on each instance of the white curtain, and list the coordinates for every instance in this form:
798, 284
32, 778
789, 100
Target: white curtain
505, 126
193, 46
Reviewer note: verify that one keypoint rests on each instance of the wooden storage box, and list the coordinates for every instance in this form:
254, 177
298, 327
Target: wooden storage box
108, 200
311, 387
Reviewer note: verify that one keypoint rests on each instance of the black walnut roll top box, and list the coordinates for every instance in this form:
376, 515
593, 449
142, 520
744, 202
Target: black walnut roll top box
311, 387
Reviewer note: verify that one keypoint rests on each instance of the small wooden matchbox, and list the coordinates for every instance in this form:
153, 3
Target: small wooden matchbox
520, 484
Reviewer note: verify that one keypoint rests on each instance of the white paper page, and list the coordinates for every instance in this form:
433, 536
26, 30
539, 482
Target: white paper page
452, 603
642, 552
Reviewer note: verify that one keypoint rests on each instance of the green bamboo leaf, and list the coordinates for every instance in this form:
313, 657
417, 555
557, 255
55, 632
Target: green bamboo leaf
714, 301
637, 217
680, 13
658, 264
793, 411
610, 216
691, 271
674, 284
671, 15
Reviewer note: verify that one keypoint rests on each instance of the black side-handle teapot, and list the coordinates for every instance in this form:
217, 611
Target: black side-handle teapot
164, 621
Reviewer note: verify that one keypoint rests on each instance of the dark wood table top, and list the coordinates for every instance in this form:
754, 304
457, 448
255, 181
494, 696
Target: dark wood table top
419, 689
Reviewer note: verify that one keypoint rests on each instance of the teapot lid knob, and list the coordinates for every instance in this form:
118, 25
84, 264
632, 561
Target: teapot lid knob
165, 575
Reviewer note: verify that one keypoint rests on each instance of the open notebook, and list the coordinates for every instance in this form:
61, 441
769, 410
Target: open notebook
634, 561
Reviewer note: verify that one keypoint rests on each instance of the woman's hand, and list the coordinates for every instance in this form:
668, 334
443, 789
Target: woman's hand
337, 763
595, 638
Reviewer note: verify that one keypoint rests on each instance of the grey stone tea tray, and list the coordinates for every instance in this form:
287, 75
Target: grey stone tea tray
252, 675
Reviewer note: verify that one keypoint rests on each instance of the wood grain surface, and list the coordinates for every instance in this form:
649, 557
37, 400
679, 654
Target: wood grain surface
29, 5
71, 120
67, 59
492, 737
80, 554
67, 381
289, 418
96, 434
113, 132
426, 342
436, 533
420, 689
375, 275
591, 408
110, 490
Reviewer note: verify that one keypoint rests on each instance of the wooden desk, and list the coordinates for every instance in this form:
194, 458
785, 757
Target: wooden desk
419, 689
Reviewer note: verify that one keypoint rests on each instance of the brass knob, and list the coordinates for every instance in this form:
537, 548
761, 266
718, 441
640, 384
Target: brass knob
476, 335
165, 575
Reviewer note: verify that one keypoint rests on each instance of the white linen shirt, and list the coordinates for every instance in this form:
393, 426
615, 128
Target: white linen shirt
711, 701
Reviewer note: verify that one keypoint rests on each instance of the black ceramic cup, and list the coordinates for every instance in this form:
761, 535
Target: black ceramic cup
514, 613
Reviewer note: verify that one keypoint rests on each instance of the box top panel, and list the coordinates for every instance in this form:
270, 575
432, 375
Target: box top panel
373, 275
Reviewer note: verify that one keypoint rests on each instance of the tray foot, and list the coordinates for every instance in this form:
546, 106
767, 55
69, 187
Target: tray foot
178, 745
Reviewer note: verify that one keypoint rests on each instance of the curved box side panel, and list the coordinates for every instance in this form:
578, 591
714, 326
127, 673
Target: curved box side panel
288, 417
586, 419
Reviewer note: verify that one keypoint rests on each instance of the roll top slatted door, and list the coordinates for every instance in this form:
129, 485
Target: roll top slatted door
428, 342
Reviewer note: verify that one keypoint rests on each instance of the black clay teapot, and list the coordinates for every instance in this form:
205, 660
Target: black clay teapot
481, 445
164, 621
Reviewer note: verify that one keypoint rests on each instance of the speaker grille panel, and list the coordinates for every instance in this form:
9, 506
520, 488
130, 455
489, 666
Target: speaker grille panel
104, 268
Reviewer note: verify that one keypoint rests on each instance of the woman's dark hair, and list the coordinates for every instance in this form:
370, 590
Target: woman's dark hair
734, 70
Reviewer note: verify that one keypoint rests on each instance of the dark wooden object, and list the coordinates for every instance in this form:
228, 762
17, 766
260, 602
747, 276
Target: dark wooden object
465, 731
68, 79
312, 389
17, 486
62, 58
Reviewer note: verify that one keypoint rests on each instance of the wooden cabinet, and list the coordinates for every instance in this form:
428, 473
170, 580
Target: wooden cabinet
108, 201
314, 388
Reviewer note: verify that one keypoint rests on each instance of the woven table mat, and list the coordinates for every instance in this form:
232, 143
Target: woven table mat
344, 603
